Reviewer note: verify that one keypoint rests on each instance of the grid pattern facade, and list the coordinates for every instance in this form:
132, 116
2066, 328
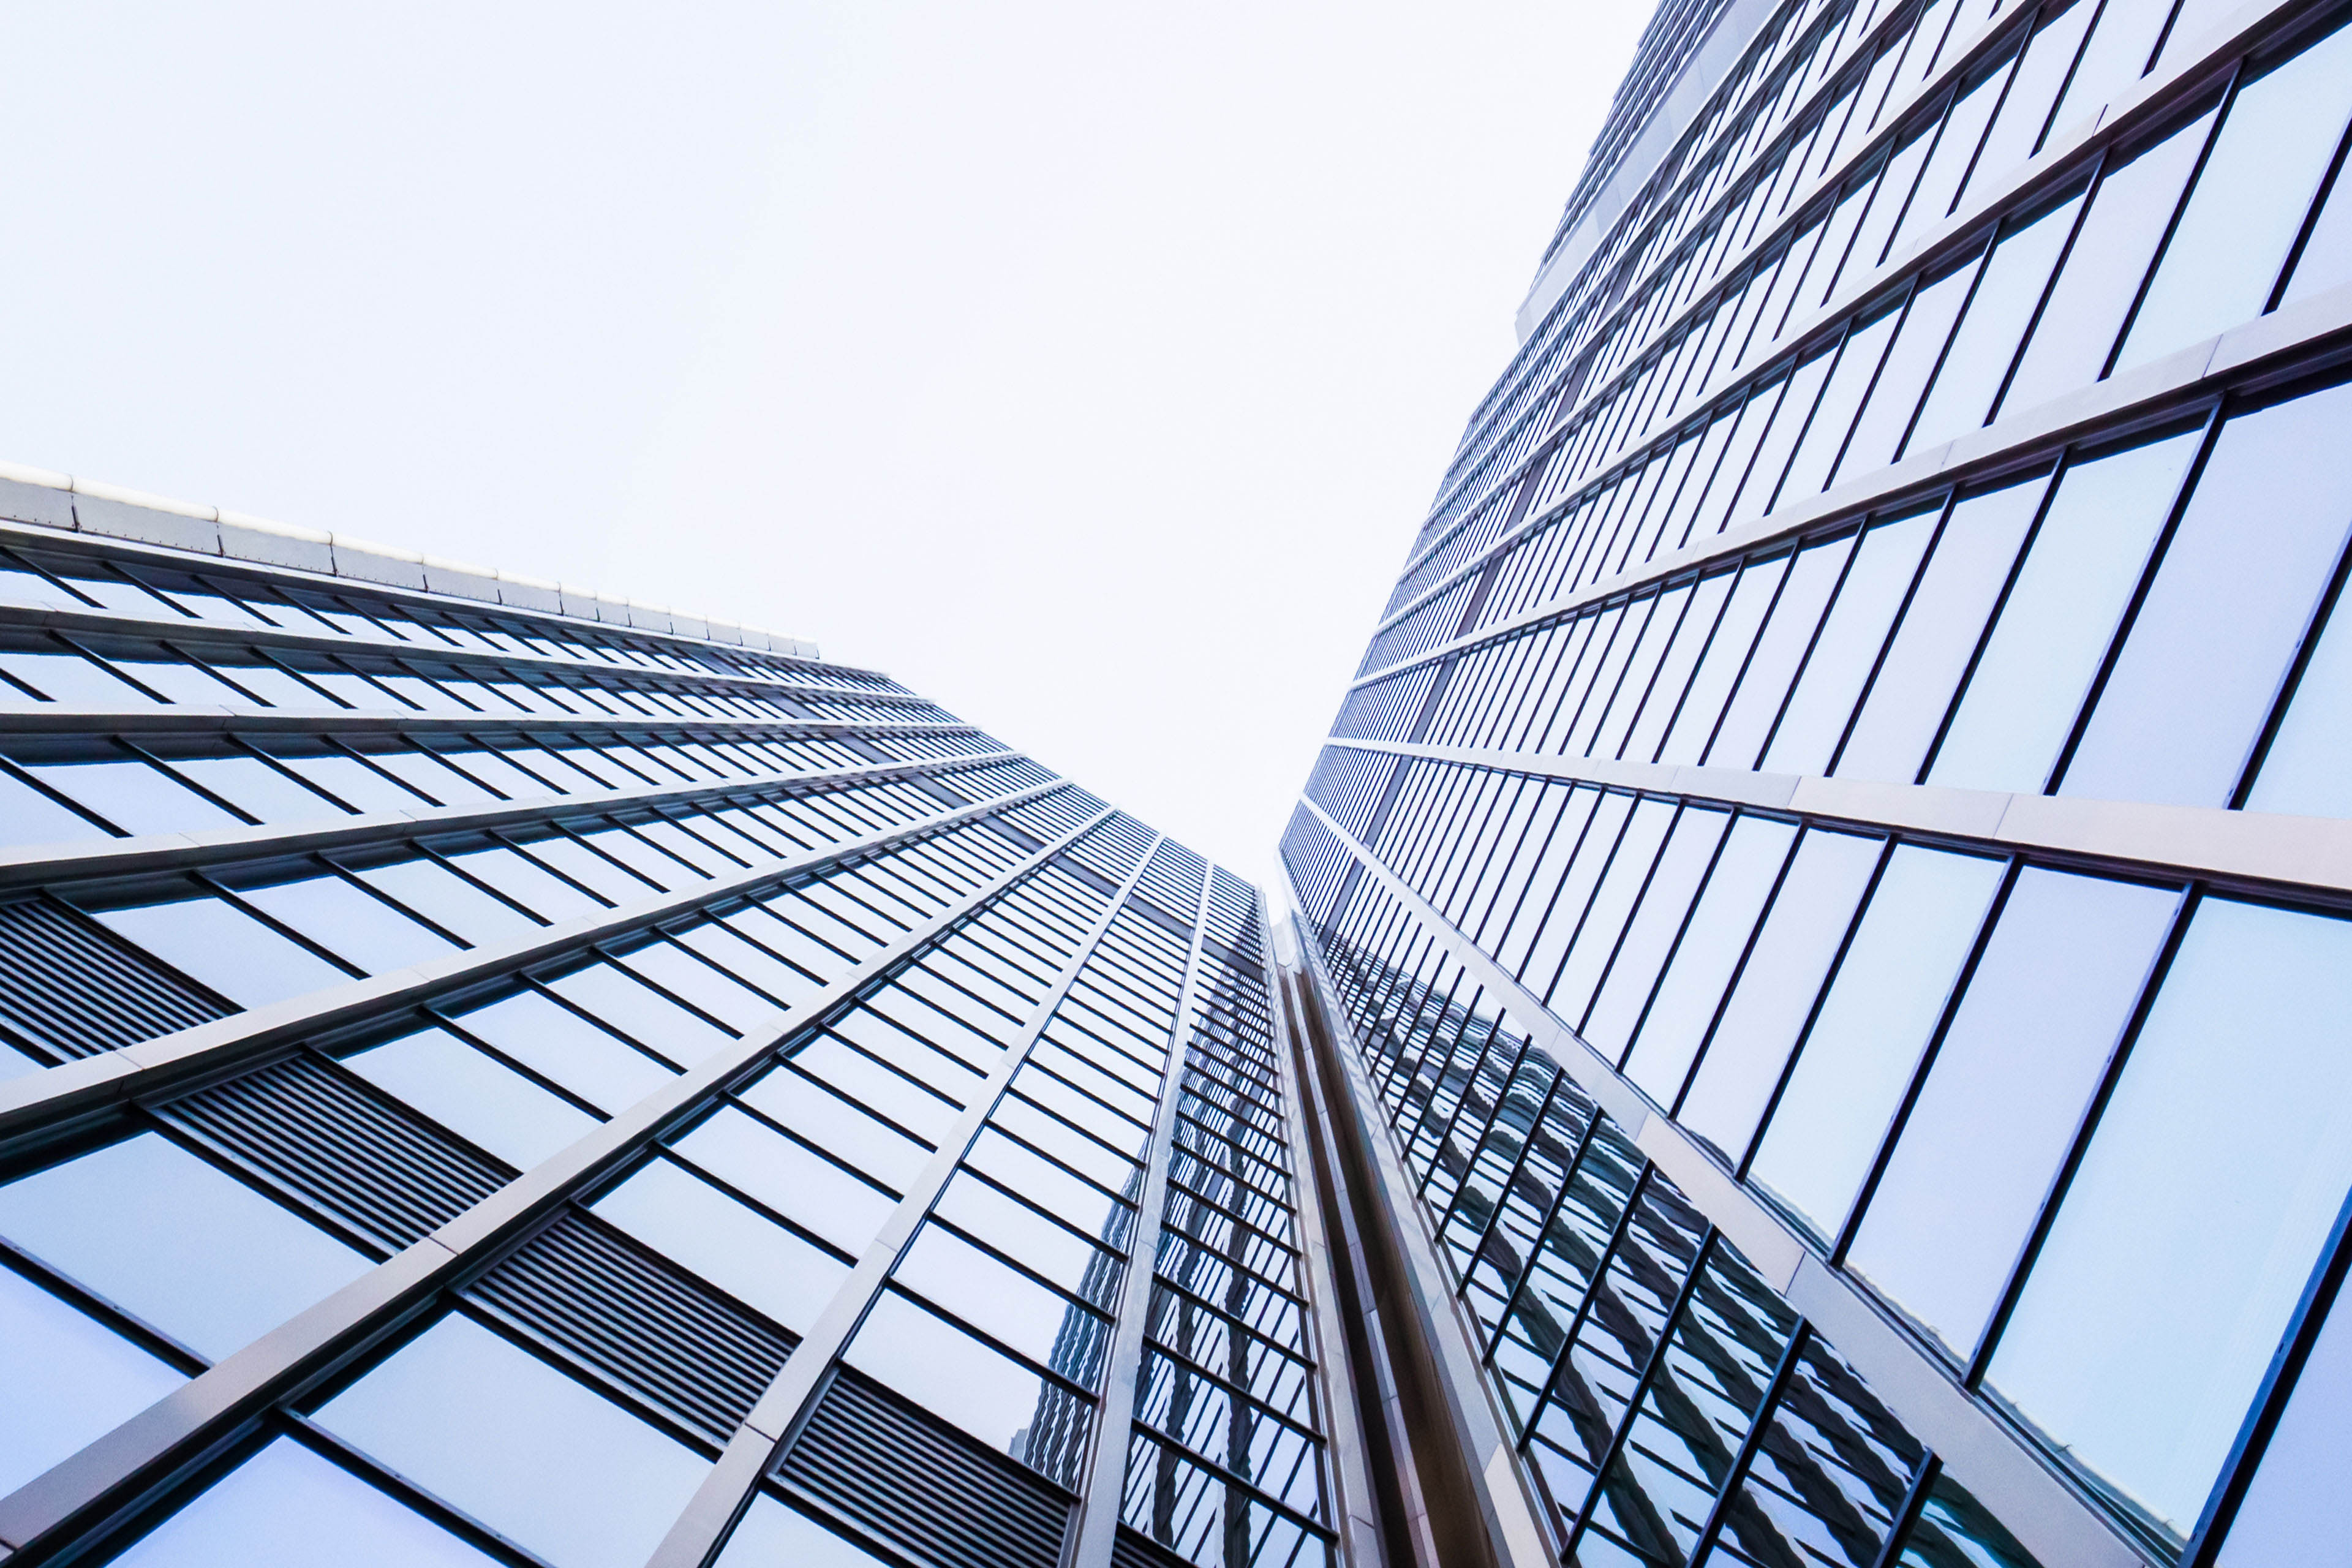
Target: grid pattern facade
482, 1087
1845, 796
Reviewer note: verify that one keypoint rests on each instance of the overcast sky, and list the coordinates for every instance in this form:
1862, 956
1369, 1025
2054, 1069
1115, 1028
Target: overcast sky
1086, 366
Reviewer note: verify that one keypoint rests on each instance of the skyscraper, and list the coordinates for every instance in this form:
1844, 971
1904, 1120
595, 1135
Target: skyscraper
1828, 893
491, 1075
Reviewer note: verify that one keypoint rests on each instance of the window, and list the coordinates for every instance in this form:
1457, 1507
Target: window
288, 1508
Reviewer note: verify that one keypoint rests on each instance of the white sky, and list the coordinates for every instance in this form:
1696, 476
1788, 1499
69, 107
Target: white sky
1087, 366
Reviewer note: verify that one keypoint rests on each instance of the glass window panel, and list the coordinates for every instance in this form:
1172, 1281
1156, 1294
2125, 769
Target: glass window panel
1840, 400
2115, 57
1726, 652
257, 788
1005, 1304
1848, 645
1656, 920
449, 901
1858, 1057
771, 1167
759, 968
683, 975
473, 1096
2307, 771
1019, 1231
831, 1123
1603, 919
1774, 662
525, 1449
771, 1535
742, 1252
1089, 1208
2079, 574
883, 1035
175, 1242
350, 922
2292, 1512
567, 1049
2057, 982
1776, 990
2158, 1299
643, 859
431, 777
2086, 310
1912, 689
1064, 1142
227, 949
69, 679
28, 817
134, 797
2257, 182
2327, 259
965, 1383
861, 1079
1981, 350
497, 772
1708, 950
526, 883
169, 676
288, 1508
782, 936
70, 1380
643, 1014
2213, 638
591, 870
354, 782
1926, 326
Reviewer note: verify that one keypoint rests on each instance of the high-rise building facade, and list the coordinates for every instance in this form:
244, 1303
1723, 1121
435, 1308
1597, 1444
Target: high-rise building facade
489, 1075
1829, 892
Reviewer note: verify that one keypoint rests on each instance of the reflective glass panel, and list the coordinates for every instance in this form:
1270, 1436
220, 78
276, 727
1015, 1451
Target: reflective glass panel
473, 1096
2059, 976
2292, 1513
1858, 1057
288, 1508
175, 1243
2237, 585
2215, 1172
532, 1454
962, 1381
70, 1380
788, 1178
562, 1046
2078, 575
350, 923
772, 1536
743, 1253
219, 944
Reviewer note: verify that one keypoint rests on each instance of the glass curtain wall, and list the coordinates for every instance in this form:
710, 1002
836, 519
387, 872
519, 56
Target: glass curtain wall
1868, 700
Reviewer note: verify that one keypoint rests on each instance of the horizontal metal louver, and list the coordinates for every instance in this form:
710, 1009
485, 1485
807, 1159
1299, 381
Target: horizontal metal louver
650, 1327
1130, 1550
325, 1135
880, 1463
70, 989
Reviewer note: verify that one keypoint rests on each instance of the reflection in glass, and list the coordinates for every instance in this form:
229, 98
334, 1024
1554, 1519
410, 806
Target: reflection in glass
2050, 997
2185, 1238
962, 1381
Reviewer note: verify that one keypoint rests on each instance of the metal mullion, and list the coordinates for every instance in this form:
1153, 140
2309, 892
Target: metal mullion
1945, 1410
727, 1490
137, 1459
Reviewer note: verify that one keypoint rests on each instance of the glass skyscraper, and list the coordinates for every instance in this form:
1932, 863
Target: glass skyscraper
489, 1075
1828, 893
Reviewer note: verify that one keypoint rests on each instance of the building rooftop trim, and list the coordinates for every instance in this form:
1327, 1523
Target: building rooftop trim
80, 505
